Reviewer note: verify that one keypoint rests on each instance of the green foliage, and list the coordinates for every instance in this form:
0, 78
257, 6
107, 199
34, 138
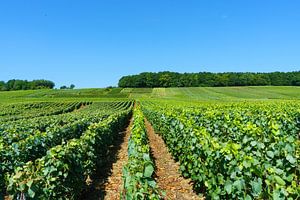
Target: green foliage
25, 85
174, 79
28, 139
183, 93
138, 182
72, 86
63, 87
62, 172
234, 151
13, 112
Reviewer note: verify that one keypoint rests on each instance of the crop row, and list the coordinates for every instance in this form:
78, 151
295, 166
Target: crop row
18, 130
62, 172
138, 182
17, 147
238, 151
23, 111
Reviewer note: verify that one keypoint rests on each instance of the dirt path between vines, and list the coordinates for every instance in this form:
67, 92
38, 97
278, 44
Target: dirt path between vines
167, 172
108, 183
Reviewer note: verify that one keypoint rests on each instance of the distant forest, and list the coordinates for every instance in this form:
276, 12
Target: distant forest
15, 84
174, 79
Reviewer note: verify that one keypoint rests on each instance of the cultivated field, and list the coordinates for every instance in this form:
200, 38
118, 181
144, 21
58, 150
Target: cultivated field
144, 143
185, 94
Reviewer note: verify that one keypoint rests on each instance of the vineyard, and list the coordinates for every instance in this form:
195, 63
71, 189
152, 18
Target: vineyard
234, 151
49, 151
230, 150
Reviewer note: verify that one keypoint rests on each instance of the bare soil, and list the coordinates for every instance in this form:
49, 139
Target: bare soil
167, 173
107, 184
80, 108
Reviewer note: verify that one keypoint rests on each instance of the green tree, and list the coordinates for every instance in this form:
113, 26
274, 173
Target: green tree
174, 79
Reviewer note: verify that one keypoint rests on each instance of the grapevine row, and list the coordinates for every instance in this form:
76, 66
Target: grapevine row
235, 152
62, 172
17, 147
138, 182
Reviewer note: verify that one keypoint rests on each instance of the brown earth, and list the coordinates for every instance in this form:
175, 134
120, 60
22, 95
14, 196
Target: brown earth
167, 173
108, 182
80, 108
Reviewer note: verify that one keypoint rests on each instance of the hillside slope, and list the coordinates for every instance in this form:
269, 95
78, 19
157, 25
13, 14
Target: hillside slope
185, 93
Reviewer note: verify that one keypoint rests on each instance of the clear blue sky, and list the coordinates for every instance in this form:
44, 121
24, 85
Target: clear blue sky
92, 43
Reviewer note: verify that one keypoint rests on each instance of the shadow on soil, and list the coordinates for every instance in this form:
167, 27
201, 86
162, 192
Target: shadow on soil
96, 189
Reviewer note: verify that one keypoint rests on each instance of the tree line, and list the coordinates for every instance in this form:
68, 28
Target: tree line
209, 79
72, 86
16, 84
